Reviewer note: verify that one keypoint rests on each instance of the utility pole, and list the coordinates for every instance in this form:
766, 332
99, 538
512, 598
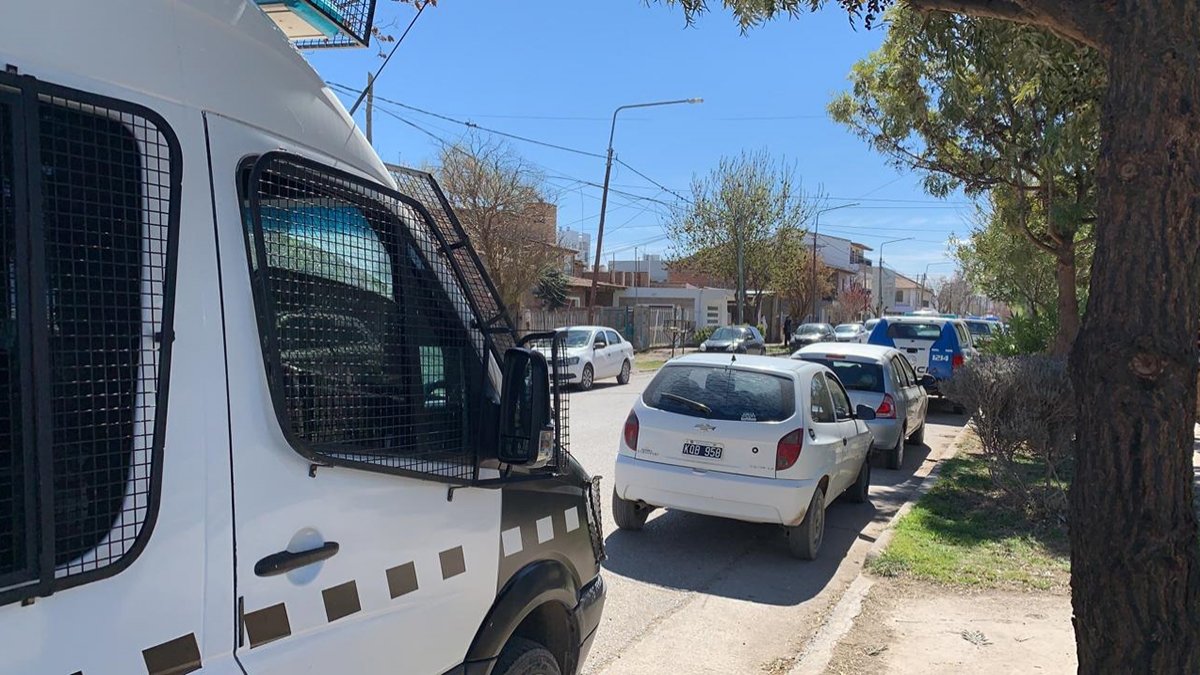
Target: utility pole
370, 106
741, 271
879, 306
816, 230
604, 195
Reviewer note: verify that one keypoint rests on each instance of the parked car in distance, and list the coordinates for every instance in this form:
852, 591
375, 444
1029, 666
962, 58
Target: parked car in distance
983, 330
738, 339
934, 346
849, 332
595, 353
762, 440
812, 333
868, 326
879, 377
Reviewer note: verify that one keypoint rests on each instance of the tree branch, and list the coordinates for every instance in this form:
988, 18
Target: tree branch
1082, 22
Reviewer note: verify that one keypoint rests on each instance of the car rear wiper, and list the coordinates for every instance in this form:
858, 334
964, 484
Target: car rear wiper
694, 405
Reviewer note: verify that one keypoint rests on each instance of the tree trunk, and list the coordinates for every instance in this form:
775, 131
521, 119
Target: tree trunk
1135, 575
1068, 301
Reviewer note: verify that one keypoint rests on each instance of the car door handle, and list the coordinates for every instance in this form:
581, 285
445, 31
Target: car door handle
286, 561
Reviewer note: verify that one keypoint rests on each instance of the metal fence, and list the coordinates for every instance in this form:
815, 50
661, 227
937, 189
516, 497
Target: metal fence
645, 327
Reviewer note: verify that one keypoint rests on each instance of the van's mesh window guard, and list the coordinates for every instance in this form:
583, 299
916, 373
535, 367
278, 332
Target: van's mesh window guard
354, 17
88, 217
14, 481
555, 351
370, 357
489, 309
422, 187
106, 196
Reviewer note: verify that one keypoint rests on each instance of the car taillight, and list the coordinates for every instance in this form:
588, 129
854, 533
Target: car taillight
788, 450
956, 361
631, 431
887, 408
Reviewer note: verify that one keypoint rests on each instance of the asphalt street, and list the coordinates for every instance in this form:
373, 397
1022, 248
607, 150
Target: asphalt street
696, 594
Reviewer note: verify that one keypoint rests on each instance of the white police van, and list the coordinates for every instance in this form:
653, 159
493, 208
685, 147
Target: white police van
260, 409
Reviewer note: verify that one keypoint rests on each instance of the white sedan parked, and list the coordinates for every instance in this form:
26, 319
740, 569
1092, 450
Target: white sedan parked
596, 352
751, 438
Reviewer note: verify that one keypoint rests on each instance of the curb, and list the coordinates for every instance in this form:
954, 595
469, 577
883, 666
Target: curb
818, 651
885, 536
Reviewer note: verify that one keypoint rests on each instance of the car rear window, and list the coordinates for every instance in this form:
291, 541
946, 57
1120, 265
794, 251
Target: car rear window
853, 375
914, 331
729, 393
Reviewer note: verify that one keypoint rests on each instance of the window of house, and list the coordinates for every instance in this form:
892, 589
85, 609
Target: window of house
899, 296
88, 285
364, 334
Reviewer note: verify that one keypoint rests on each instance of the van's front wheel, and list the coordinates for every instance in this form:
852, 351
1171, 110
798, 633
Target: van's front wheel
526, 657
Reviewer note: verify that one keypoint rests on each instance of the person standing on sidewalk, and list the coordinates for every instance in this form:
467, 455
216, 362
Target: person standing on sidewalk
787, 330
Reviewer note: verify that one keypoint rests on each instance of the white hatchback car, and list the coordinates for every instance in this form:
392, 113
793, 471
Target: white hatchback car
752, 438
596, 352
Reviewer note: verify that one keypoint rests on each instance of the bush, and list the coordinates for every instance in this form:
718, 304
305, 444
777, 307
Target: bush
1024, 415
702, 334
1025, 335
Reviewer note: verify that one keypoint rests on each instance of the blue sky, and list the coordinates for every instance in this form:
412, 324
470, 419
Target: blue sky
555, 70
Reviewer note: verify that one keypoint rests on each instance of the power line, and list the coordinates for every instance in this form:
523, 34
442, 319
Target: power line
660, 185
361, 96
472, 125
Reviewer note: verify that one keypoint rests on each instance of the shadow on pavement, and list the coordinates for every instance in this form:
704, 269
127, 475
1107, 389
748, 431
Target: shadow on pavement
750, 561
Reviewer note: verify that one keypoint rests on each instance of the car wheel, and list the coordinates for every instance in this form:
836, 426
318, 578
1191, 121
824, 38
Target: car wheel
895, 456
918, 437
804, 540
623, 377
526, 657
629, 515
861, 490
587, 378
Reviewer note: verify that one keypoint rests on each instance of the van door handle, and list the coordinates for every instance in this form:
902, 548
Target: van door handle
286, 561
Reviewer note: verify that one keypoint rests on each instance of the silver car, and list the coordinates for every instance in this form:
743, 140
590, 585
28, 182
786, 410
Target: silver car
879, 377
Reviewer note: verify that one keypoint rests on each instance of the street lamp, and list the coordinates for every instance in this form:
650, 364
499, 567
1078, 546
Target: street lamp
879, 306
925, 274
604, 195
816, 229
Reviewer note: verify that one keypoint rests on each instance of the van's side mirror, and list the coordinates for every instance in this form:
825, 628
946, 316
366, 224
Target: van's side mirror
526, 433
864, 412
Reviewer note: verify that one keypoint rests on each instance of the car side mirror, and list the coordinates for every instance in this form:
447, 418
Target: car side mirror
927, 381
599, 344
526, 432
864, 412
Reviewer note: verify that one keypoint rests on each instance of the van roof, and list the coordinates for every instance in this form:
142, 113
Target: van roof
223, 57
921, 319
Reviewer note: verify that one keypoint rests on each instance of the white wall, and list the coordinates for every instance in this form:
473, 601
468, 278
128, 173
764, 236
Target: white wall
702, 300
651, 263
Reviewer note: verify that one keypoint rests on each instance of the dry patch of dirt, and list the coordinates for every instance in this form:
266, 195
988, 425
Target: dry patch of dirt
917, 628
